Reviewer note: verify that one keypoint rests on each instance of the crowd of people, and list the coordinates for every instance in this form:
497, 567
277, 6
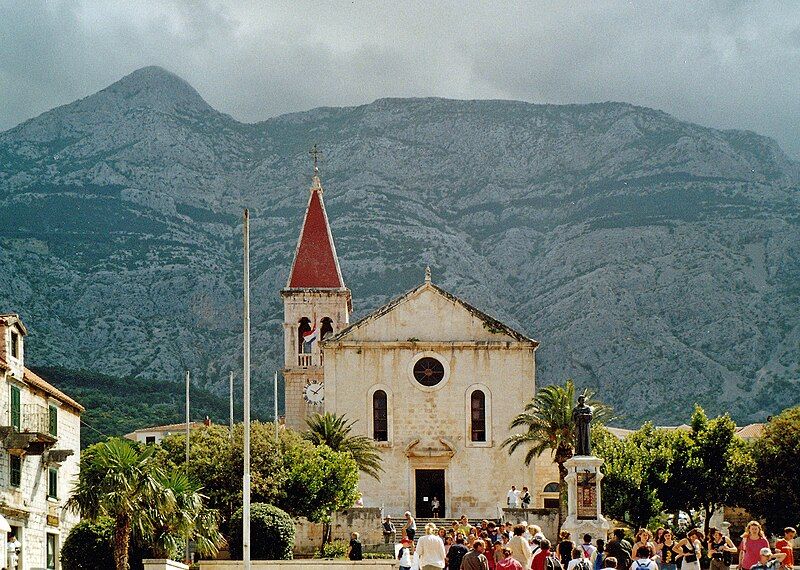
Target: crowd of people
507, 546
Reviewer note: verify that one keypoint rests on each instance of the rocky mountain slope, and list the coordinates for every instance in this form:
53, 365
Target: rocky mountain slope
654, 259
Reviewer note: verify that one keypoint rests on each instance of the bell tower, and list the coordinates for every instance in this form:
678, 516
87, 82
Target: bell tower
316, 304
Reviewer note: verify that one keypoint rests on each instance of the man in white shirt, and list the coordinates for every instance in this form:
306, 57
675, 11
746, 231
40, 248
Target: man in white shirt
588, 549
512, 499
13, 549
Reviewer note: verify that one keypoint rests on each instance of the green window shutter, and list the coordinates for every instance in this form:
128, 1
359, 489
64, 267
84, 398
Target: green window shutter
52, 483
53, 421
16, 415
16, 471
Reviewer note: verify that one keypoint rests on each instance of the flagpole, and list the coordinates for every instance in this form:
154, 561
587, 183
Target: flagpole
187, 451
231, 404
246, 382
275, 397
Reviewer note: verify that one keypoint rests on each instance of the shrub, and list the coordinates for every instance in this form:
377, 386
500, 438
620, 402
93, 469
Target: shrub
88, 546
271, 533
335, 549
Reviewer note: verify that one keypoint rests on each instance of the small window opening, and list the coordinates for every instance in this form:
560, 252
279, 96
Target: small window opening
478, 407
302, 346
380, 416
326, 329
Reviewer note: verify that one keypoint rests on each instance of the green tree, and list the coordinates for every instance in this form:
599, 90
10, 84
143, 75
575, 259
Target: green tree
336, 432
549, 426
776, 487
89, 545
189, 518
271, 533
304, 479
634, 469
120, 481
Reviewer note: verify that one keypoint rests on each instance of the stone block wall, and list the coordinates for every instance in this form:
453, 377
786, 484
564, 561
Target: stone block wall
545, 518
365, 521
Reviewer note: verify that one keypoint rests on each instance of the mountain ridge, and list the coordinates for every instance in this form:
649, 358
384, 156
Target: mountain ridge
619, 237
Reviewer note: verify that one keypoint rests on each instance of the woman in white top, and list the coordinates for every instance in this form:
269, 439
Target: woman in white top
430, 549
690, 548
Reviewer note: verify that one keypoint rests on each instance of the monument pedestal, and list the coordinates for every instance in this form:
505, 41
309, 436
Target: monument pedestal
584, 515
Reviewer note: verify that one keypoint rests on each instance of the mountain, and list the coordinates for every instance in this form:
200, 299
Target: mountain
654, 259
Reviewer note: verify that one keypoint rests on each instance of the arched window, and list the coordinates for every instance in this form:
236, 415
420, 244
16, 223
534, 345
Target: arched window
304, 326
551, 487
326, 328
380, 416
478, 416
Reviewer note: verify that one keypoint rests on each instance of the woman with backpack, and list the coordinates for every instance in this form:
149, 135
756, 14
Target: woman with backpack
690, 549
600, 555
720, 549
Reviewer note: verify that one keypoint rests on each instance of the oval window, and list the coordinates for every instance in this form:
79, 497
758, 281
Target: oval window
428, 371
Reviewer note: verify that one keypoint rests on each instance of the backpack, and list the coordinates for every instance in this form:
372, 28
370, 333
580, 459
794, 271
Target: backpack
640, 566
552, 563
584, 565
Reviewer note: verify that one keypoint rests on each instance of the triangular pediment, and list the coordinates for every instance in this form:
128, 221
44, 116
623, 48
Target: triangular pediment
429, 314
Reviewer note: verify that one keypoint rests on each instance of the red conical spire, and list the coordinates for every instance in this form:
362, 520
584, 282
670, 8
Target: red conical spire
315, 263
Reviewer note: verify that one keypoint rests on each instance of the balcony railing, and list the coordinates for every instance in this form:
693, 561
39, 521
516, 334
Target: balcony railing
304, 359
33, 436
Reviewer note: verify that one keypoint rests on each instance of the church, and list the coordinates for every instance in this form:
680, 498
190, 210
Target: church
434, 381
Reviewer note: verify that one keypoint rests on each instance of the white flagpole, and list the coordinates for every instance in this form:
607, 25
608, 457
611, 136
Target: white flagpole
246, 382
275, 397
231, 404
187, 450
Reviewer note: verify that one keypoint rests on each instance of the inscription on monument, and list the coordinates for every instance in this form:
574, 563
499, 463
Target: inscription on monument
587, 495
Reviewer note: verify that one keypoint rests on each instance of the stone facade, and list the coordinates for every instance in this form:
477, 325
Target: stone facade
40, 461
440, 440
366, 522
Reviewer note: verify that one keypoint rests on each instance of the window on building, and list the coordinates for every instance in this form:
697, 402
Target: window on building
326, 328
14, 344
16, 414
551, 487
52, 553
304, 327
478, 416
15, 475
151, 439
380, 416
53, 420
52, 483
551, 503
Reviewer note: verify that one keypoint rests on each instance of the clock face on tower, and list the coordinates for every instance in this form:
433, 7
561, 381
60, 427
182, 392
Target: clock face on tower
314, 393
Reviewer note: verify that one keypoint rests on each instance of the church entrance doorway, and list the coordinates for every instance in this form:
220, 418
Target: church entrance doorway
430, 484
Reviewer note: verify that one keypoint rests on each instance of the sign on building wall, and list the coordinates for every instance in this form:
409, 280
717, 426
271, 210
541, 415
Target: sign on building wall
587, 495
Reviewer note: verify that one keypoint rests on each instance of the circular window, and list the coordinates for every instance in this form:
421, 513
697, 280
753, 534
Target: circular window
428, 371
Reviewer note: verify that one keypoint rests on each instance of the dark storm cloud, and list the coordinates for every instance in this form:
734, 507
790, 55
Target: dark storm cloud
722, 64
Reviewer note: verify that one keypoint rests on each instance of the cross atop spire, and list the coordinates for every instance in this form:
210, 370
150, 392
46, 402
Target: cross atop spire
315, 152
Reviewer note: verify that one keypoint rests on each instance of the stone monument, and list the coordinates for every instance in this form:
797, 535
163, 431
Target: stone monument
584, 505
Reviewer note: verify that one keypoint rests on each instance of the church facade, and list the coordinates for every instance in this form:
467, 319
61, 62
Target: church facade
434, 381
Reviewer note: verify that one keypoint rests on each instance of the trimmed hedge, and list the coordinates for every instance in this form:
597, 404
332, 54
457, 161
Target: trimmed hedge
88, 546
271, 533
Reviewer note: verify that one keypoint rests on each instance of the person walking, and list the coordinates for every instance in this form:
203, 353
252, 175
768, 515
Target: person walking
666, 551
643, 538
785, 545
388, 530
456, 553
588, 549
410, 528
435, 507
619, 549
355, 552
720, 549
600, 555
565, 547
643, 559
475, 559
753, 540
430, 549
406, 554
579, 561
520, 548
691, 548
767, 560
545, 559
508, 562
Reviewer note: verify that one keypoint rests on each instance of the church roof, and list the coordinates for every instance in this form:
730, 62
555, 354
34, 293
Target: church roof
315, 264
490, 322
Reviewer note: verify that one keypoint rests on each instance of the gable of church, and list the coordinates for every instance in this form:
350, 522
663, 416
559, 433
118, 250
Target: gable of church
429, 313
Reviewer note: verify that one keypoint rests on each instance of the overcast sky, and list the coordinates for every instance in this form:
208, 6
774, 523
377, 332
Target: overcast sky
720, 64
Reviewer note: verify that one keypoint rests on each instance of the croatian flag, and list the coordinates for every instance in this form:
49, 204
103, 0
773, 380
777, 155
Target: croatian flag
310, 336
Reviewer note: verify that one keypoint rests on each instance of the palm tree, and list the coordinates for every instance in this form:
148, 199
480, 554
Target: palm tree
189, 518
550, 427
120, 481
335, 432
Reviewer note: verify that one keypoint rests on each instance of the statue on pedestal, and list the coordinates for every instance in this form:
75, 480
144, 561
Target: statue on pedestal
582, 416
